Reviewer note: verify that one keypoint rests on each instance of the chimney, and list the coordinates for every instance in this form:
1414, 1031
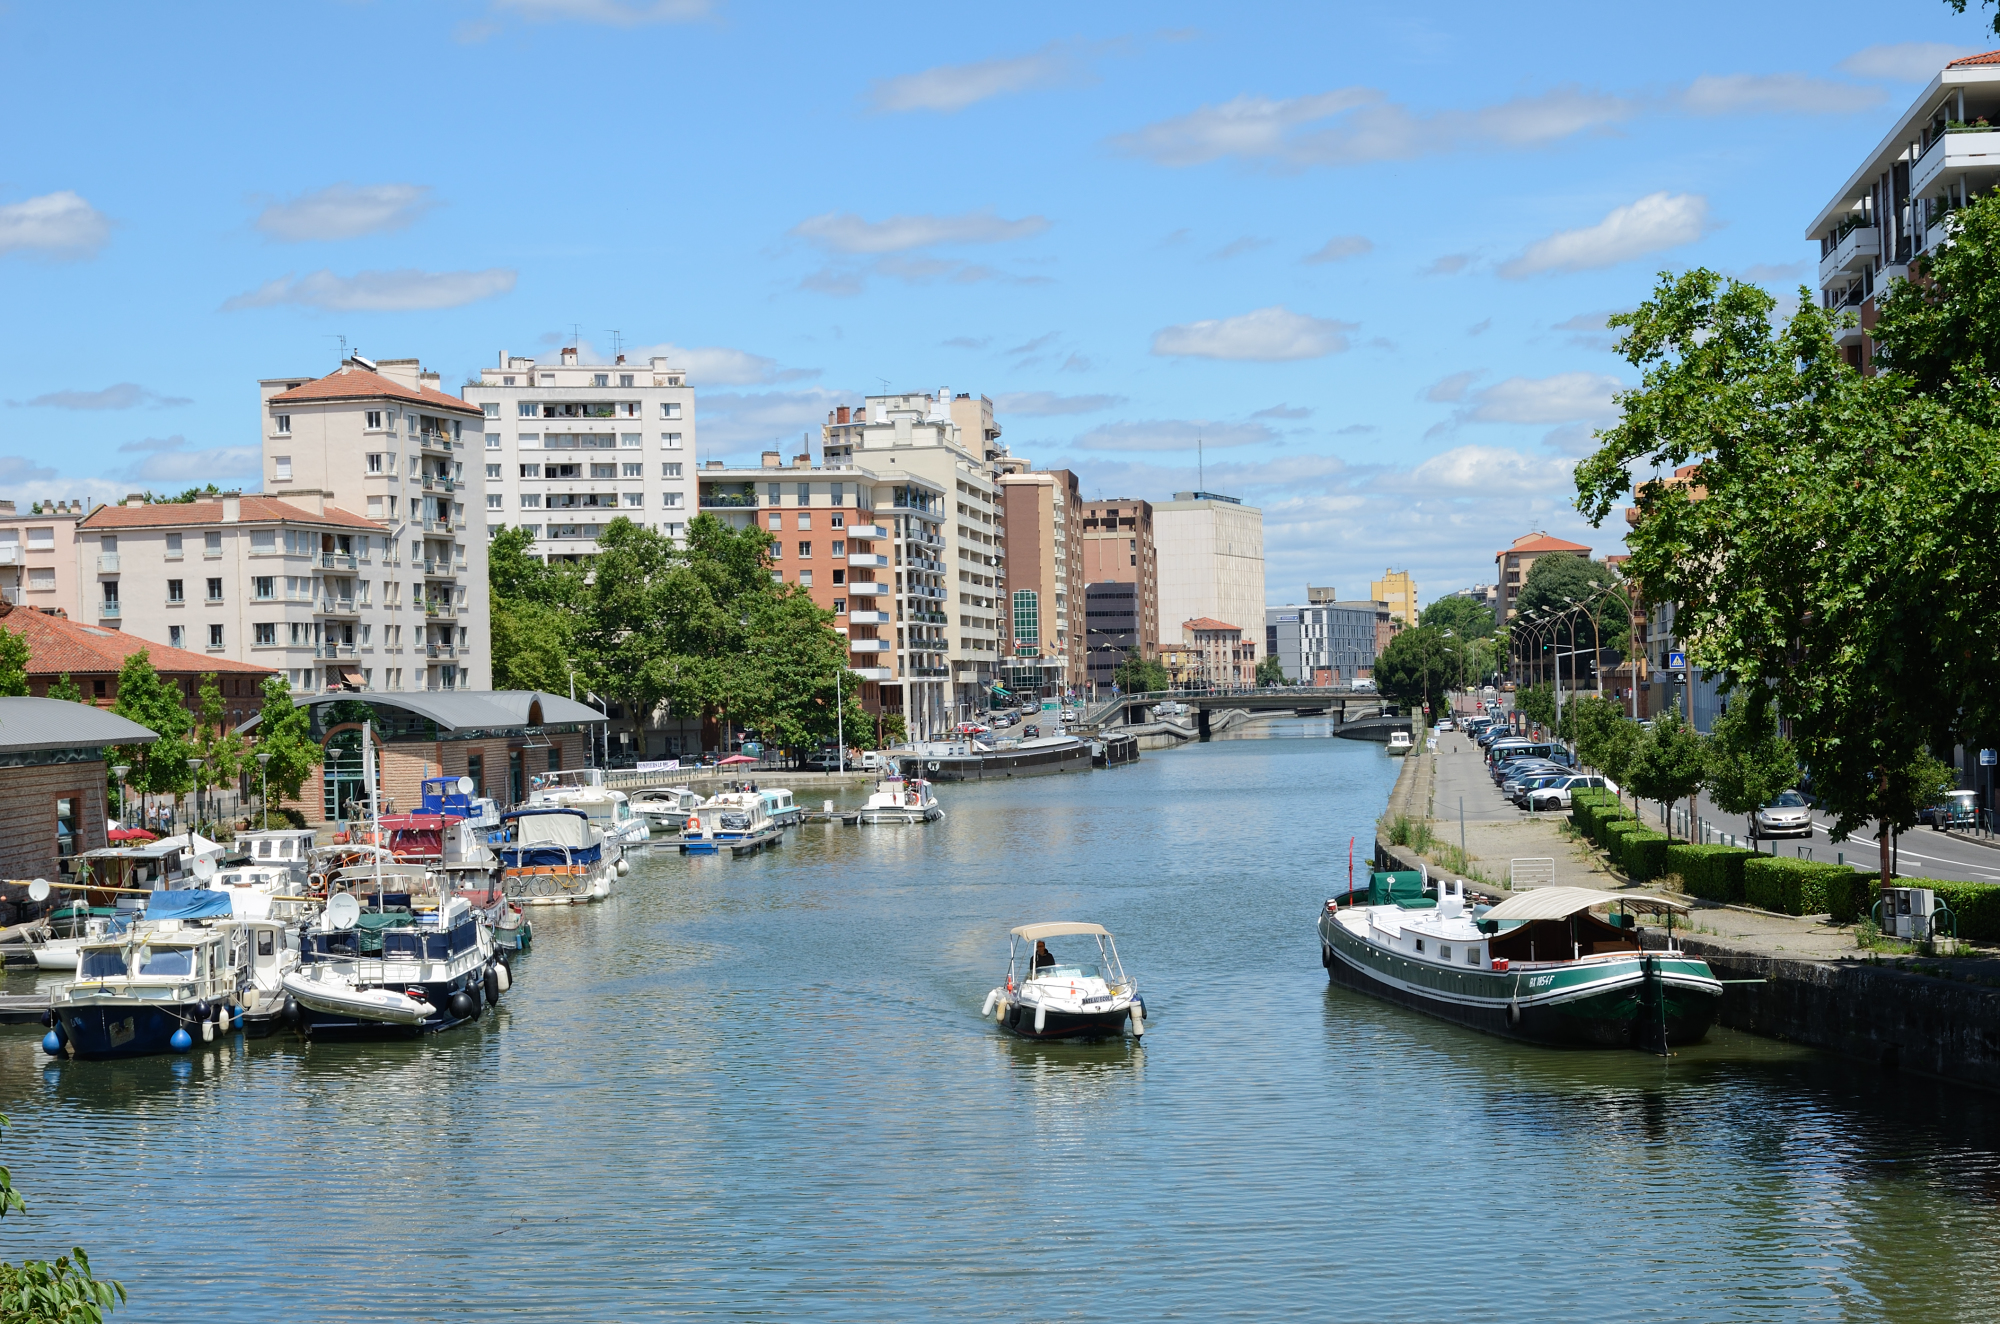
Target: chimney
621, 360
569, 357
135, 498
6, 507
431, 381
232, 507
802, 462
771, 460
715, 464
845, 414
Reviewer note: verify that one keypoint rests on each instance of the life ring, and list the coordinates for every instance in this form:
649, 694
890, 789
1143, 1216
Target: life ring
931, 766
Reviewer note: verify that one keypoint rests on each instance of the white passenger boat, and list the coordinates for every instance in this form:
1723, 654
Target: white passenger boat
899, 799
738, 822
394, 955
781, 808
262, 893
557, 856
277, 848
1071, 995
584, 789
667, 808
1400, 742
173, 978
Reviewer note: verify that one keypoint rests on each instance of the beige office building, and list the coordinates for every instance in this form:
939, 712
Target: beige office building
953, 443
1397, 589
382, 440
1044, 600
1211, 557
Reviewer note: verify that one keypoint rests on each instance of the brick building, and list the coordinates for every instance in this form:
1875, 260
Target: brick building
52, 779
92, 655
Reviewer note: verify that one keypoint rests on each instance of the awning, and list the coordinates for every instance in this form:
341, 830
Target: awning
1036, 932
1562, 902
351, 678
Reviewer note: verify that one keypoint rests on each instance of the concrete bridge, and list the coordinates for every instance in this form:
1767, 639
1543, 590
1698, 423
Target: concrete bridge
1343, 705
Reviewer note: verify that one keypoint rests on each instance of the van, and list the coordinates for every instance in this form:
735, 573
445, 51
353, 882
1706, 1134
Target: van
877, 760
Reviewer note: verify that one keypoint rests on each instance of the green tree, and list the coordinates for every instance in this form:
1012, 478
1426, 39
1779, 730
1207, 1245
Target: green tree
1561, 584
284, 731
1271, 671
1462, 616
145, 697
62, 1291
1141, 675
221, 749
1417, 668
533, 645
1958, 6
1748, 761
1670, 764
65, 688
786, 683
1537, 703
13, 664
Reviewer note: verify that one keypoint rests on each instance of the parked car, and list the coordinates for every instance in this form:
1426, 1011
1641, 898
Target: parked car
1556, 794
1787, 815
1519, 777
1365, 686
1957, 809
1444, 724
828, 760
1526, 785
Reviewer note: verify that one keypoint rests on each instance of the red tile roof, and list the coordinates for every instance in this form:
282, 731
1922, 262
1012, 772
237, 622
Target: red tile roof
256, 510
352, 383
1210, 623
1991, 57
1541, 542
57, 644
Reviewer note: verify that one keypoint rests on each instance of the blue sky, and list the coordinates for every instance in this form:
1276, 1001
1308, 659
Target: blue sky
1361, 252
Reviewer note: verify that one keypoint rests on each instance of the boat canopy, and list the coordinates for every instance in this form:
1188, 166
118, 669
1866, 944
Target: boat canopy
188, 904
1562, 902
1059, 929
569, 828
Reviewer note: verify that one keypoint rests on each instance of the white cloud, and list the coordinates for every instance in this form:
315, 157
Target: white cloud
1172, 435
1268, 335
1592, 330
610, 13
1491, 469
1655, 222
1339, 248
1761, 273
345, 211
1904, 61
60, 225
1452, 389
123, 395
168, 460
744, 423
844, 232
379, 291
1284, 411
1775, 94
1567, 397
1046, 404
1449, 265
953, 87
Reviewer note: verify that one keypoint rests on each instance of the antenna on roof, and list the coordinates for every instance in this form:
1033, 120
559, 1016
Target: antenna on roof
617, 343
343, 345
1200, 465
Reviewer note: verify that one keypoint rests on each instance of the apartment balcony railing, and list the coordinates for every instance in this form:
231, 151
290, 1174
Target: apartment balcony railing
938, 673
440, 569
437, 525
868, 560
868, 618
334, 650
1963, 147
337, 561
866, 531
870, 646
1855, 250
337, 607
107, 563
105, 609
720, 501
440, 650
438, 609
873, 673
435, 441
867, 590
923, 616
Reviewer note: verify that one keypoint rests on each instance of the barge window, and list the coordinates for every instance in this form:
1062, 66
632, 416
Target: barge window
1420, 944
102, 964
167, 961
1444, 951
1472, 956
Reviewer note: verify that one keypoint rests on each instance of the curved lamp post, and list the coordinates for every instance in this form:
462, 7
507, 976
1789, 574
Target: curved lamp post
119, 770
264, 791
195, 763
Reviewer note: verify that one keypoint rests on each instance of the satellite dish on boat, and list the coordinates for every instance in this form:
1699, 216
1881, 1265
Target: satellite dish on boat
342, 912
204, 868
465, 786
38, 890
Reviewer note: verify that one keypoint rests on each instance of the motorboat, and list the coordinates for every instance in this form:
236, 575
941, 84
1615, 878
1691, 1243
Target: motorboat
899, 799
393, 955
1401, 742
1540, 966
277, 848
166, 981
781, 807
738, 822
453, 847
1076, 995
584, 789
71, 926
557, 856
666, 808
455, 797
257, 892
972, 760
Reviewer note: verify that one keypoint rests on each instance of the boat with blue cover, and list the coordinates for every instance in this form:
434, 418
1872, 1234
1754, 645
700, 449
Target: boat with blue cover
456, 798
1540, 966
738, 822
557, 856
173, 978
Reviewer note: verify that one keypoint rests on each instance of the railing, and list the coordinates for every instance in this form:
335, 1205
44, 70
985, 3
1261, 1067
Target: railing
334, 650
107, 609
437, 525
337, 560
440, 650
107, 563
337, 606
434, 441
717, 501
437, 609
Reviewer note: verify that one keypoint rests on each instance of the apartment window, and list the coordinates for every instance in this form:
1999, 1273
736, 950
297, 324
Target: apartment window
211, 544
375, 507
635, 498
374, 420
624, 379
176, 638
375, 462
670, 470
262, 587
492, 471
281, 468
839, 548
603, 471
671, 499
671, 440
490, 410
215, 590
531, 501
215, 636
630, 441
494, 500
632, 471
263, 542
839, 521
805, 522
805, 579
601, 379
529, 409
1027, 616
283, 424
840, 606
531, 471
493, 441
840, 576
669, 409
805, 551
264, 635
777, 523
175, 592
173, 544
416, 466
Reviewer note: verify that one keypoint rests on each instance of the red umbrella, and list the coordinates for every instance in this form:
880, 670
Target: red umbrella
736, 758
130, 834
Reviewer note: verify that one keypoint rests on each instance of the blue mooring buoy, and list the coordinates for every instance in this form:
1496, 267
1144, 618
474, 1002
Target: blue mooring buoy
52, 1044
181, 1042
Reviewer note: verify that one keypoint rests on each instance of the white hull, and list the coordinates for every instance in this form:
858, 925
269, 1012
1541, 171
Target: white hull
57, 954
337, 997
927, 815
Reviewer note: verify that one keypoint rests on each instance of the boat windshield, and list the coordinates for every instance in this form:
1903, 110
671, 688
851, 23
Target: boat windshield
167, 961
1068, 972
101, 963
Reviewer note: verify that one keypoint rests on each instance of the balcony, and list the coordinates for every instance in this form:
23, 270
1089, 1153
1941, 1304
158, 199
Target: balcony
727, 501
440, 650
337, 560
439, 483
435, 441
337, 607
870, 646
867, 531
107, 610
1856, 249
334, 650
867, 590
868, 618
439, 610
868, 560
873, 673
1957, 151
107, 563
10, 553
437, 525
439, 569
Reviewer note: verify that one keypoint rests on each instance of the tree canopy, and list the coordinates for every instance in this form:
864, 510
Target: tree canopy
1462, 616
284, 731
13, 664
1141, 675
156, 703
1417, 668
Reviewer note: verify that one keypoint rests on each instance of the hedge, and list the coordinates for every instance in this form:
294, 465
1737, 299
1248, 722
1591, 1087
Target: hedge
1805, 887
1714, 873
1977, 905
1615, 834
1587, 806
1643, 855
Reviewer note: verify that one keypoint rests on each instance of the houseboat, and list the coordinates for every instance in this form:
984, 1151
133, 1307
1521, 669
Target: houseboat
737, 822
780, 807
584, 789
971, 760
277, 848
170, 980
557, 856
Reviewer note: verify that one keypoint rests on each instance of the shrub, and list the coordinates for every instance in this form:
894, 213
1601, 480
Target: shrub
1801, 887
1714, 873
1645, 855
1976, 905
1615, 834
1610, 827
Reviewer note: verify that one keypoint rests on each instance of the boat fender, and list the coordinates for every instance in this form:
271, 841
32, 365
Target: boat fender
624, 867
991, 1000
52, 1044
290, 1011
201, 1010
1513, 1013
492, 984
1041, 1018
48, 1020
505, 974
1138, 1020
461, 1005
181, 1041
1326, 956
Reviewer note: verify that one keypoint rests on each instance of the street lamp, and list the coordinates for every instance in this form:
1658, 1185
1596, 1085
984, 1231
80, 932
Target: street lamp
264, 792
195, 763
119, 770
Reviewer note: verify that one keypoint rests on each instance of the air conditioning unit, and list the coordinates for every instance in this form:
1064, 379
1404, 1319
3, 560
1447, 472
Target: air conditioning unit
1907, 912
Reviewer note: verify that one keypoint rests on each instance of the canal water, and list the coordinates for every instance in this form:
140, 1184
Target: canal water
761, 1090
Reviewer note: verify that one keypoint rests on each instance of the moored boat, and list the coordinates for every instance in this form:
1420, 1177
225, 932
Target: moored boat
393, 957
1539, 966
781, 808
899, 799
738, 822
975, 760
557, 857
609, 810
1114, 749
668, 807
1400, 742
169, 981
1079, 995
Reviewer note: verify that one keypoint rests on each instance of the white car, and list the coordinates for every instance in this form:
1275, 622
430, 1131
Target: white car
1787, 815
1556, 795
1444, 724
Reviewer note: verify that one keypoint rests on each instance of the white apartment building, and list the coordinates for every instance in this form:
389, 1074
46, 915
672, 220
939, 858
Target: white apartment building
1942, 153
382, 440
569, 447
867, 546
298, 586
1211, 557
954, 444
38, 554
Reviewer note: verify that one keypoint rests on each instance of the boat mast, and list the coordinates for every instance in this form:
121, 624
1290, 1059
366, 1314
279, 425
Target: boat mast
374, 808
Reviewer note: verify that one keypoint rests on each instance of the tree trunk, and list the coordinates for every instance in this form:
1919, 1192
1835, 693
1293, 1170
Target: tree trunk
1882, 840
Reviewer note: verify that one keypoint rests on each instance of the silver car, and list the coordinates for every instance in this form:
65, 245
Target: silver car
1787, 815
